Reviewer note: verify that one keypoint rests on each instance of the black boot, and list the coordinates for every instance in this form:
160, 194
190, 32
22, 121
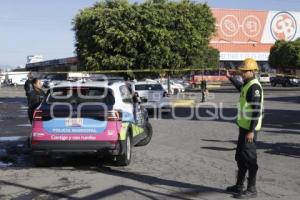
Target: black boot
239, 186
235, 189
250, 192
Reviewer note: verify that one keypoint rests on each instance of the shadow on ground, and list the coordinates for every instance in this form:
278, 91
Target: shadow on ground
279, 148
156, 188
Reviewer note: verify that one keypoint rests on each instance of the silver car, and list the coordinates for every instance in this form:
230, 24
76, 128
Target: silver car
152, 94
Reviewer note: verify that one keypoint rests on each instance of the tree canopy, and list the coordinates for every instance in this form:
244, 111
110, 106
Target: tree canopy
157, 34
285, 55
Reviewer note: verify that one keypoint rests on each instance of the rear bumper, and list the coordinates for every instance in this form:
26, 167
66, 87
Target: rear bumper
102, 147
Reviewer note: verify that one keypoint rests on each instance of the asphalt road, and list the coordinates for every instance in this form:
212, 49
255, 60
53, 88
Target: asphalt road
191, 155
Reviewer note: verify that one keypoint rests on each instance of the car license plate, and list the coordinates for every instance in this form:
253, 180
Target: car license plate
74, 122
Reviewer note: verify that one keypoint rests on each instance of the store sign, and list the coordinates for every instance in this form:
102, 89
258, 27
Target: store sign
249, 26
237, 56
283, 26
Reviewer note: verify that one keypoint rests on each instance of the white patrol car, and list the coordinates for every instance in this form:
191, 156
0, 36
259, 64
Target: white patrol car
91, 117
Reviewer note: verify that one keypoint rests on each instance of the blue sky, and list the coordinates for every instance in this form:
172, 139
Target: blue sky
43, 27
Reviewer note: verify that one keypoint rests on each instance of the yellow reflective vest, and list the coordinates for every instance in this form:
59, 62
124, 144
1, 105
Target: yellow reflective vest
245, 109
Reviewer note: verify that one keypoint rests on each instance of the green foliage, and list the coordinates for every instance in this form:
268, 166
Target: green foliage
285, 54
157, 34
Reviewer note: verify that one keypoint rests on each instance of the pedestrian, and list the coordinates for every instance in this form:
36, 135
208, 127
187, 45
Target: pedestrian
136, 100
36, 96
28, 86
204, 90
249, 121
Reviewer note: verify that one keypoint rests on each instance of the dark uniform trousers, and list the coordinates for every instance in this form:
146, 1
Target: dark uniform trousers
246, 156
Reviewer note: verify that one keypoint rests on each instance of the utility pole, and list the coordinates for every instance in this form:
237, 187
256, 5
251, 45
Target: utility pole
169, 88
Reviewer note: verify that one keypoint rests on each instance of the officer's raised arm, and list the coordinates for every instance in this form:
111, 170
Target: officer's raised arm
238, 84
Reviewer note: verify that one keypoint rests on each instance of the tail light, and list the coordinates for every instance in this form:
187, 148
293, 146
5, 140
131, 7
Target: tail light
37, 116
113, 141
34, 142
113, 115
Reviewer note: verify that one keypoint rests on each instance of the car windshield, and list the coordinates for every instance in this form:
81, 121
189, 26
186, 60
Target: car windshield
148, 87
77, 95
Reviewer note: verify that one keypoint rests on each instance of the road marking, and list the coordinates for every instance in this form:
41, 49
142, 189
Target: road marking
24, 125
24, 107
213, 86
22, 116
183, 103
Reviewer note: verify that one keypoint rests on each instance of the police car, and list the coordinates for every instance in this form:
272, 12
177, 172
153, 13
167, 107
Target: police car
90, 117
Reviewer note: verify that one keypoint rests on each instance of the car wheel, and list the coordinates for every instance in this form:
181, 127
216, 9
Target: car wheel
125, 158
148, 132
284, 84
273, 84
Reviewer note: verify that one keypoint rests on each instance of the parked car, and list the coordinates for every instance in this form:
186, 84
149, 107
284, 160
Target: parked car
8, 83
175, 88
90, 117
264, 78
21, 81
53, 79
152, 94
184, 83
284, 80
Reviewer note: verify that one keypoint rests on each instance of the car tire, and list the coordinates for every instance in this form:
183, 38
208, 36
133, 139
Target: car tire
148, 132
284, 84
273, 84
125, 158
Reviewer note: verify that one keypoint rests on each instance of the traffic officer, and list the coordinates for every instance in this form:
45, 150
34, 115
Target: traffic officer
249, 121
35, 97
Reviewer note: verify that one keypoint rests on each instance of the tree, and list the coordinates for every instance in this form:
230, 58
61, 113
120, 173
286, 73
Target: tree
157, 34
285, 55
297, 46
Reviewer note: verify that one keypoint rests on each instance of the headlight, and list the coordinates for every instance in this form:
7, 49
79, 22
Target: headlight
294, 80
